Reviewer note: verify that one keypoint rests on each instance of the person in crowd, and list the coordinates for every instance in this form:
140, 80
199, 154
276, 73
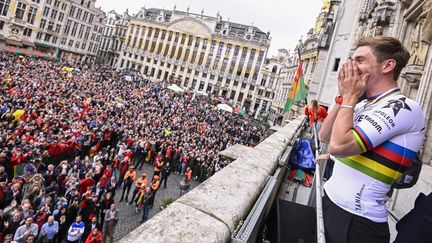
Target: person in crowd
111, 220
105, 205
165, 173
11, 225
154, 187
49, 230
147, 204
127, 182
315, 113
90, 226
368, 141
29, 228
188, 174
140, 185
76, 230
63, 228
94, 237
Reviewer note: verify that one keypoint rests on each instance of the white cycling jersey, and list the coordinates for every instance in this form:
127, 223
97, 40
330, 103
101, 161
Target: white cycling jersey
390, 130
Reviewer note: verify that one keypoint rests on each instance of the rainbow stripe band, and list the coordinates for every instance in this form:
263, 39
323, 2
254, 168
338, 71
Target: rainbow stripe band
385, 163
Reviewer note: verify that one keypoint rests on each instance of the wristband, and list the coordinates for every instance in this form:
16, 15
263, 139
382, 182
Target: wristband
338, 100
347, 107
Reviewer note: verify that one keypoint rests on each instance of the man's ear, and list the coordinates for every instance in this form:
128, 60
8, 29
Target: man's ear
389, 66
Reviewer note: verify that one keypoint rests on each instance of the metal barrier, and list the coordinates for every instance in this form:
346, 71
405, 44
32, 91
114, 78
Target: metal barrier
318, 191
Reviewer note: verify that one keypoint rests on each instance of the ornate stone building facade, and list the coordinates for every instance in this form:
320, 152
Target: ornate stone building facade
274, 78
113, 37
308, 50
70, 28
201, 53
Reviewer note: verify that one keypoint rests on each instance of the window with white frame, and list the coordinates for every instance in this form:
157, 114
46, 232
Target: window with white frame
4, 6
20, 10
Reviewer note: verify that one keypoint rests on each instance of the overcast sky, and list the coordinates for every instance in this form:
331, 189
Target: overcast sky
286, 20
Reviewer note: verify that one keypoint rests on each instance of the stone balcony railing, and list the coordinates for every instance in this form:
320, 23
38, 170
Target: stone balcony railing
212, 211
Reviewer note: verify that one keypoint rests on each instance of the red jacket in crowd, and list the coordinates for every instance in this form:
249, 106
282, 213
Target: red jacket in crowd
322, 114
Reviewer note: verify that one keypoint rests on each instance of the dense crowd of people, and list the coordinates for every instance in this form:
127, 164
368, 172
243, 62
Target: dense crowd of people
72, 136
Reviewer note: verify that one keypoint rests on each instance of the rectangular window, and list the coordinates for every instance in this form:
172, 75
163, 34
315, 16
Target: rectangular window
56, 3
81, 31
146, 43
31, 15
2, 24
79, 12
74, 29
58, 27
61, 16
68, 25
221, 46
166, 50
20, 10
85, 16
244, 52
4, 7
46, 11
42, 24
197, 42
39, 35
53, 14
27, 32
201, 58
228, 49
47, 37
212, 46
186, 55
194, 54
190, 40
204, 46
183, 39
72, 11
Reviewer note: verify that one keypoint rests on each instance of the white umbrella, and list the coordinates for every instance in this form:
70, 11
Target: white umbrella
202, 93
175, 88
224, 107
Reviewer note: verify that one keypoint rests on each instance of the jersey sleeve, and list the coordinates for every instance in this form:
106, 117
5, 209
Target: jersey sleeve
385, 121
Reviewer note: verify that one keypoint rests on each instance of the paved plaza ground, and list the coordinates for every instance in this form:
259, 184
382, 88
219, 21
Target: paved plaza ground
129, 218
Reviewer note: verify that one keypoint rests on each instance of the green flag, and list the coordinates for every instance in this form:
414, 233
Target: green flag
298, 90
